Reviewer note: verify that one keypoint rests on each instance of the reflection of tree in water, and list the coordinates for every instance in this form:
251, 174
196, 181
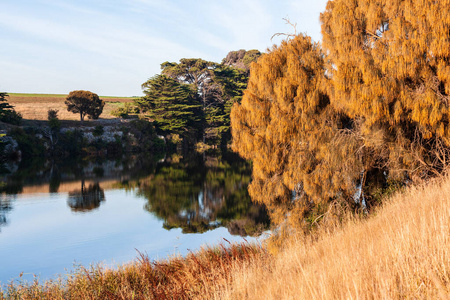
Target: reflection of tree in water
55, 172
199, 194
5, 207
86, 199
55, 178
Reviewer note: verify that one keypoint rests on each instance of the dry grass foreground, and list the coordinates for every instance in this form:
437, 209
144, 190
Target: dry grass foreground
36, 106
401, 252
197, 276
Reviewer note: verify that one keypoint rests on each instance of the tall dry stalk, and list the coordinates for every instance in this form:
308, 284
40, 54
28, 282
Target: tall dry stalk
403, 252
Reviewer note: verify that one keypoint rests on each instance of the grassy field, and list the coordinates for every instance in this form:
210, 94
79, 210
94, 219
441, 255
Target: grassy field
36, 106
402, 251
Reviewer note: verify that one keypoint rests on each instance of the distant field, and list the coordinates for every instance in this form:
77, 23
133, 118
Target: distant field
36, 106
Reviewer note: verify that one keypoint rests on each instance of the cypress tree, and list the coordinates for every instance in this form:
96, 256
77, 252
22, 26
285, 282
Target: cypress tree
172, 106
296, 141
391, 73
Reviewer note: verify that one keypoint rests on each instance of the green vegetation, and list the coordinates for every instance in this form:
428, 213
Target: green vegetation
172, 106
55, 141
38, 95
199, 193
124, 110
210, 89
7, 112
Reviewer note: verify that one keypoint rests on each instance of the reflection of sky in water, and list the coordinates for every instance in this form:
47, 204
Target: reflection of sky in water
45, 237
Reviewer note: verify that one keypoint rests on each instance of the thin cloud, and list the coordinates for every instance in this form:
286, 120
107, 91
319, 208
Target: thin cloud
103, 43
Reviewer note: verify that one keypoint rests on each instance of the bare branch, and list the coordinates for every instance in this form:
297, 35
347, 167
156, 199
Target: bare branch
286, 34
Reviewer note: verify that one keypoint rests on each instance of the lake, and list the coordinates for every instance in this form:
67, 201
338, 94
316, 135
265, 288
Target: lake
57, 215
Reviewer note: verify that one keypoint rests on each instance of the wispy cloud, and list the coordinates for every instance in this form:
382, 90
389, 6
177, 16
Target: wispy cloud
127, 40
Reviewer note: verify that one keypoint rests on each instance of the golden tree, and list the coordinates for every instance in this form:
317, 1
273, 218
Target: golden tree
391, 74
302, 153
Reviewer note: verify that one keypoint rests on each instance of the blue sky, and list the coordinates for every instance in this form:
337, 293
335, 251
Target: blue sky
111, 47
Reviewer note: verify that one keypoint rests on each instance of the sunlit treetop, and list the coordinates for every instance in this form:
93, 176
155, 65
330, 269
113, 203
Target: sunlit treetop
391, 61
286, 126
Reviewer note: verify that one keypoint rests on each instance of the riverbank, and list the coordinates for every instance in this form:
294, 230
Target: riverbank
197, 275
401, 251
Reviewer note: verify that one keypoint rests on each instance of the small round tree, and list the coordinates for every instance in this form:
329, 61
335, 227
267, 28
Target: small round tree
85, 103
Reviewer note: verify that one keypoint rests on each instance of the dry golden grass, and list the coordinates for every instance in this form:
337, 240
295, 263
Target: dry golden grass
36, 106
196, 276
402, 252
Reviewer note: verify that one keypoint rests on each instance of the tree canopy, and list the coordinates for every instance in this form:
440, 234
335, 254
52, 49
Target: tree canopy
342, 123
173, 106
84, 103
241, 59
392, 74
217, 87
286, 126
7, 112
4, 105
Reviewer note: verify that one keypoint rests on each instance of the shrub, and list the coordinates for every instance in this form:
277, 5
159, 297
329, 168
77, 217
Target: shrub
11, 117
98, 131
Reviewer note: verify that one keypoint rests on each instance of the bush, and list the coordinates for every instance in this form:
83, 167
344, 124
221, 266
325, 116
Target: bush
120, 112
53, 121
11, 117
28, 141
124, 111
71, 143
98, 131
52, 114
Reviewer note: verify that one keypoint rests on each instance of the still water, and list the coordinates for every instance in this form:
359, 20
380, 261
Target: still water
55, 216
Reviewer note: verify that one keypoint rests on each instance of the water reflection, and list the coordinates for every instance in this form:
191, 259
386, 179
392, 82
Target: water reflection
200, 193
5, 207
87, 198
196, 193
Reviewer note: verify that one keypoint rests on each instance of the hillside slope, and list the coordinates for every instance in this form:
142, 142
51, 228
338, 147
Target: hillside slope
403, 251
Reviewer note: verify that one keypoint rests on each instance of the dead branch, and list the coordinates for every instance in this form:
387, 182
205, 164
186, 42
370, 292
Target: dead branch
288, 35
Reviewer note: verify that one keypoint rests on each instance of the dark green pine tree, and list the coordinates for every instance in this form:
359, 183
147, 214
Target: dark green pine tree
218, 86
4, 105
174, 107
232, 83
7, 112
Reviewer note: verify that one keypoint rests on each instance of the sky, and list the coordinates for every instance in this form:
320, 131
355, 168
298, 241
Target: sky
111, 47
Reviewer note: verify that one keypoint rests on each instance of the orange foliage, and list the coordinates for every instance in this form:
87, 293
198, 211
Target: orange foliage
286, 126
344, 123
392, 71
